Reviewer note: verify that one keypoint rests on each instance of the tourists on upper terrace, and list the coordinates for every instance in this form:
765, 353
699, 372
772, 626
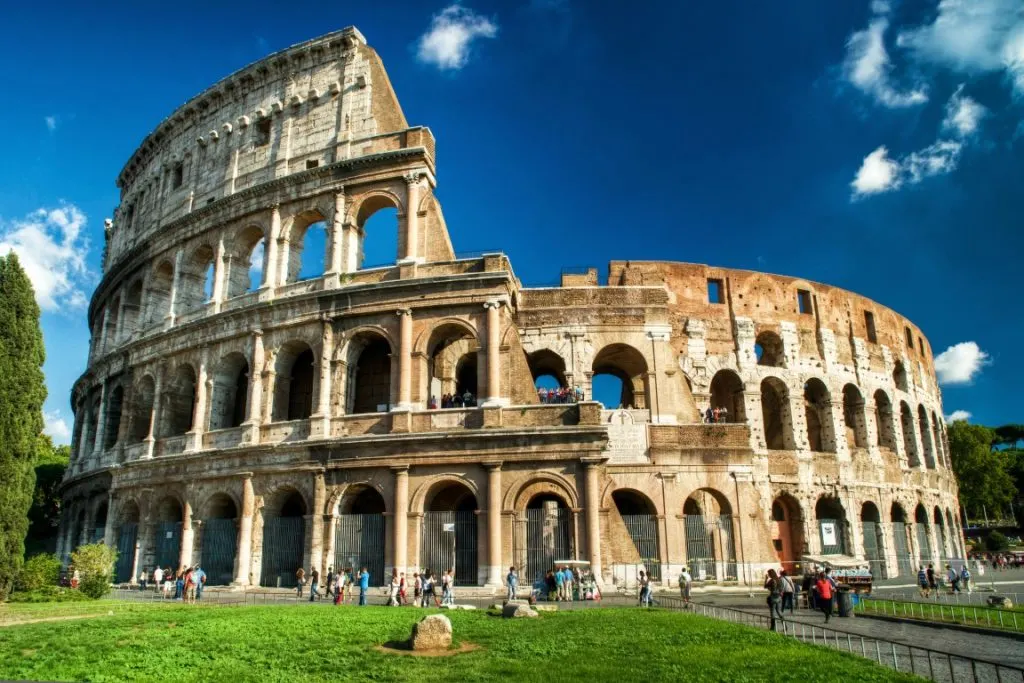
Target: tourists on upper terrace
432, 403
468, 399
709, 415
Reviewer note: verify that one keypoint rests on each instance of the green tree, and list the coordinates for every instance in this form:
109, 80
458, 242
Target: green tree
40, 571
22, 392
983, 474
44, 515
95, 565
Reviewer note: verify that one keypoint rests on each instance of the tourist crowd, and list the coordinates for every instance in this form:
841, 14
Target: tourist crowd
456, 400
560, 395
715, 415
185, 584
341, 587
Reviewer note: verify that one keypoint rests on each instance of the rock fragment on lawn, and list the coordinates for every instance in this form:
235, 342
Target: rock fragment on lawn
433, 632
517, 610
1000, 601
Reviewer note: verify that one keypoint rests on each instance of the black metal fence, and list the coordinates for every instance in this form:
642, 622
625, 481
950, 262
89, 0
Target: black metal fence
359, 542
443, 550
218, 556
643, 529
283, 540
168, 544
548, 534
125, 552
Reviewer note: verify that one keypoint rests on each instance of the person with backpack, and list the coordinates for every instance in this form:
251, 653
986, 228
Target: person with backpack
824, 590
773, 585
965, 578
199, 576
788, 592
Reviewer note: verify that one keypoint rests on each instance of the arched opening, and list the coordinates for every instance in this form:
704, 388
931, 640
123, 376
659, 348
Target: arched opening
92, 420
955, 535
359, 534
871, 530
195, 287
112, 428
853, 417
230, 392
940, 452
245, 271
293, 385
548, 371
775, 411
220, 536
924, 534
452, 366
941, 537
548, 534
179, 403
168, 516
909, 442
141, 409
159, 306
769, 350
306, 250
899, 376
451, 503
132, 309
110, 323
378, 232
900, 540
885, 421
126, 535
831, 526
818, 409
926, 438
787, 531
727, 397
710, 550
368, 387
620, 378
640, 525
99, 523
80, 533
284, 538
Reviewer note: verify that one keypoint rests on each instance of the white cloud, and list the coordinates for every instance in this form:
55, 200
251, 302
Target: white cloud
958, 415
880, 7
867, 67
937, 158
973, 36
51, 123
256, 263
878, 173
56, 427
960, 363
963, 114
52, 249
447, 43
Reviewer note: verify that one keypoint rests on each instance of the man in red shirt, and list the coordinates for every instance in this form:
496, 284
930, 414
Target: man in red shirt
824, 587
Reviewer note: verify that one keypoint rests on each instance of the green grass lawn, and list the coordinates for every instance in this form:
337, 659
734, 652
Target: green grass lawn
970, 615
299, 643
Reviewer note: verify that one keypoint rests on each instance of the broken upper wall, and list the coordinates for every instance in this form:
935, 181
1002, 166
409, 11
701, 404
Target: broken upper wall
827, 320
310, 105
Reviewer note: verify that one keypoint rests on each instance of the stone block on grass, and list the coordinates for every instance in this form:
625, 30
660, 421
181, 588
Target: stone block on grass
433, 632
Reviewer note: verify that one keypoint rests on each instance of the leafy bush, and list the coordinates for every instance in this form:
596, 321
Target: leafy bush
49, 594
95, 565
39, 571
996, 542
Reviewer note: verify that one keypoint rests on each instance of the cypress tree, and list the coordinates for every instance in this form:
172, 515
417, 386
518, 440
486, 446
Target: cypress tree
22, 392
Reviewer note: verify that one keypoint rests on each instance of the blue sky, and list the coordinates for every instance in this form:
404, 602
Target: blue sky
874, 146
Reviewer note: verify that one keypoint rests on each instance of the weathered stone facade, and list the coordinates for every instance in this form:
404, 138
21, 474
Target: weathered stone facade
259, 425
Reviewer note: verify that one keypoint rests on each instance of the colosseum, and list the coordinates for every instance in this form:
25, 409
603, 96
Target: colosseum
249, 413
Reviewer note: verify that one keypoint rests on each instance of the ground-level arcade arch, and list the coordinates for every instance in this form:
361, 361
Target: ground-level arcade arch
901, 540
832, 523
635, 517
451, 501
126, 534
284, 536
169, 515
872, 537
219, 539
359, 533
788, 531
710, 544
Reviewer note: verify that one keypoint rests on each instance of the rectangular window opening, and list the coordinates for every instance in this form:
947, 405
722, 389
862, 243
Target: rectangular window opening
869, 325
716, 292
803, 301
312, 163
263, 132
920, 345
177, 176
910, 338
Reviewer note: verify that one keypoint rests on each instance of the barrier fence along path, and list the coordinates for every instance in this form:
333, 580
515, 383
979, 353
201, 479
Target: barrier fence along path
971, 615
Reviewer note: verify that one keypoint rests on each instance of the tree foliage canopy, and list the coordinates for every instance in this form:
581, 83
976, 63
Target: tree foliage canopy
22, 392
44, 515
983, 474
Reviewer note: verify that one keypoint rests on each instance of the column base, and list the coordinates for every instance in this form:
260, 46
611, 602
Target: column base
495, 403
250, 433
265, 294
332, 280
410, 260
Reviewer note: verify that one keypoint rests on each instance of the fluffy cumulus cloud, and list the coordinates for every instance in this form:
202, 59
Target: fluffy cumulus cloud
448, 41
878, 173
960, 363
963, 114
52, 247
958, 416
868, 66
56, 427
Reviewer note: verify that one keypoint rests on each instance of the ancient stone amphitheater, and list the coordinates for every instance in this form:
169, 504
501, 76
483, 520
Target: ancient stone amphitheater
254, 419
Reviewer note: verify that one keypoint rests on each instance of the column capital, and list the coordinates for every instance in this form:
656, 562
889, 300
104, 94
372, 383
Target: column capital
496, 302
404, 311
257, 332
399, 469
592, 460
494, 465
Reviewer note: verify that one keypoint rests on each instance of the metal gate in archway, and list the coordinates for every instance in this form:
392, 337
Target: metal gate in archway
359, 542
219, 542
872, 551
437, 550
168, 545
283, 541
643, 530
899, 542
703, 535
833, 537
924, 548
548, 538
125, 552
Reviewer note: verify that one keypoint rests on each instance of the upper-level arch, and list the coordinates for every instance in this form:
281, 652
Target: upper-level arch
627, 365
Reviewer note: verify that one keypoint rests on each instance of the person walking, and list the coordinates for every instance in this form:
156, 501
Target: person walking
788, 592
417, 589
447, 597
364, 585
158, 578
922, 581
314, 584
965, 578
932, 585
953, 576
199, 576
329, 593
559, 584
824, 589
403, 589
511, 583
300, 580
685, 585
773, 585
190, 586
393, 589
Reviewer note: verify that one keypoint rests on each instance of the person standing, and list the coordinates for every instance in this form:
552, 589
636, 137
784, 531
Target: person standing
559, 584
393, 589
199, 576
300, 580
314, 584
329, 593
824, 590
403, 589
932, 585
511, 582
773, 585
364, 585
922, 581
142, 579
158, 577
417, 589
447, 598
788, 592
567, 583
685, 584
179, 584
965, 578
953, 576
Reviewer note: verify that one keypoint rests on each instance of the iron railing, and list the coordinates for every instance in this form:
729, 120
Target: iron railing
970, 615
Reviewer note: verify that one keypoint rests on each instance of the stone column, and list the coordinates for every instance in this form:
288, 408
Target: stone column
404, 360
101, 423
175, 286
270, 255
251, 426
335, 242
494, 397
108, 528
401, 517
220, 271
316, 546
154, 413
135, 563
187, 536
593, 512
203, 386
330, 522
494, 564
84, 438
243, 554
412, 229
320, 420
119, 329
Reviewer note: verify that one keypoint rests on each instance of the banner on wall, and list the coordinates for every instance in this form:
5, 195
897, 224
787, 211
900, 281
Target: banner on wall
828, 533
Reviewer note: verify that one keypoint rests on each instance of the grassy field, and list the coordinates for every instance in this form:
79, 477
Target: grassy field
970, 615
298, 643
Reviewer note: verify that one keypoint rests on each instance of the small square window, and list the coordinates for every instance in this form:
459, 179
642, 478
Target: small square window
312, 163
803, 302
263, 132
869, 325
211, 200
716, 292
177, 176
910, 338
